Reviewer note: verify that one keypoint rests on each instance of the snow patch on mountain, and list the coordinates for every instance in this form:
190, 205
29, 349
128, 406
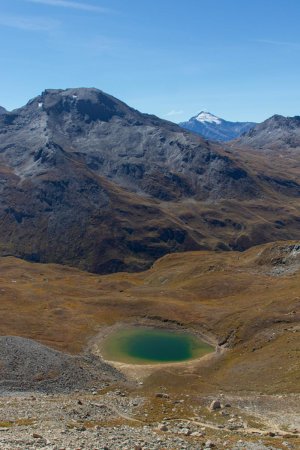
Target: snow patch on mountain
214, 128
207, 117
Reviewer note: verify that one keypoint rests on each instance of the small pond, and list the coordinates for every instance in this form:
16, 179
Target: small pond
146, 345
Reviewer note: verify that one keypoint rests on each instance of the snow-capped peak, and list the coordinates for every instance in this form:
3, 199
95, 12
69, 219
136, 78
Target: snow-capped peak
207, 117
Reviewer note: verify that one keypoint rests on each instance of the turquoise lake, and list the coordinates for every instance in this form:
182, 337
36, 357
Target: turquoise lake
145, 345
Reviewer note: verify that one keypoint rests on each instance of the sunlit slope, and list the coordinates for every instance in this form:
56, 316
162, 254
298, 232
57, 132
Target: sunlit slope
89, 182
246, 302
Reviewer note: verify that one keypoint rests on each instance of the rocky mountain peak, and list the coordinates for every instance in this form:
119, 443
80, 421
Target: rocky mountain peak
281, 121
214, 128
88, 104
108, 188
277, 132
205, 116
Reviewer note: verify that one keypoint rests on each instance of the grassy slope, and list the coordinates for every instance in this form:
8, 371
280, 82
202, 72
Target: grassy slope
223, 295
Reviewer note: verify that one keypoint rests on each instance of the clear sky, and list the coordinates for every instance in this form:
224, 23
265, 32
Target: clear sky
235, 58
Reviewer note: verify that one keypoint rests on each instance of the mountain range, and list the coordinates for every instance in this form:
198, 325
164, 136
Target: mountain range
88, 181
213, 128
277, 133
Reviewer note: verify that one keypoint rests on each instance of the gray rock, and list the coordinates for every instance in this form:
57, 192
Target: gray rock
215, 404
162, 427
162, 395
27, 365
209, 444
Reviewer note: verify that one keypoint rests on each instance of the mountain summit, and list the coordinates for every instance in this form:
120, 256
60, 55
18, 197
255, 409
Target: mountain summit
90, 182
206, 117
86, 180
276, 133
138, 152
214, 128
2, 110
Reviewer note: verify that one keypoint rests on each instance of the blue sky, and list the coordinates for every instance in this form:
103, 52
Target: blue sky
235, 58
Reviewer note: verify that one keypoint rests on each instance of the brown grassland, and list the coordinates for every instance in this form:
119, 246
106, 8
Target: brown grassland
246, 303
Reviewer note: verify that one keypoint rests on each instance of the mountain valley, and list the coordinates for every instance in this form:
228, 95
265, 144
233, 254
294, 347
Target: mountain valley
112, 219
246, 304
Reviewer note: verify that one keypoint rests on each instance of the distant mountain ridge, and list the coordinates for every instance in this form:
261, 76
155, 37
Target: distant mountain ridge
85, 179
277, 132
2, 110
88, 181
214, 128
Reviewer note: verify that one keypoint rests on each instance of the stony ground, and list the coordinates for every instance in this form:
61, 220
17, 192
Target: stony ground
125, 419
26, 364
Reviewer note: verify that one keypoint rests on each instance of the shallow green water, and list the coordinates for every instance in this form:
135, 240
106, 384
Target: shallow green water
145, 345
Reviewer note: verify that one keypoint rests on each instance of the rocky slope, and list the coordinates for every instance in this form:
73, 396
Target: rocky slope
27, 365
272, 149
117, 420
61, 130
277, 133
213, 128
88, 181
